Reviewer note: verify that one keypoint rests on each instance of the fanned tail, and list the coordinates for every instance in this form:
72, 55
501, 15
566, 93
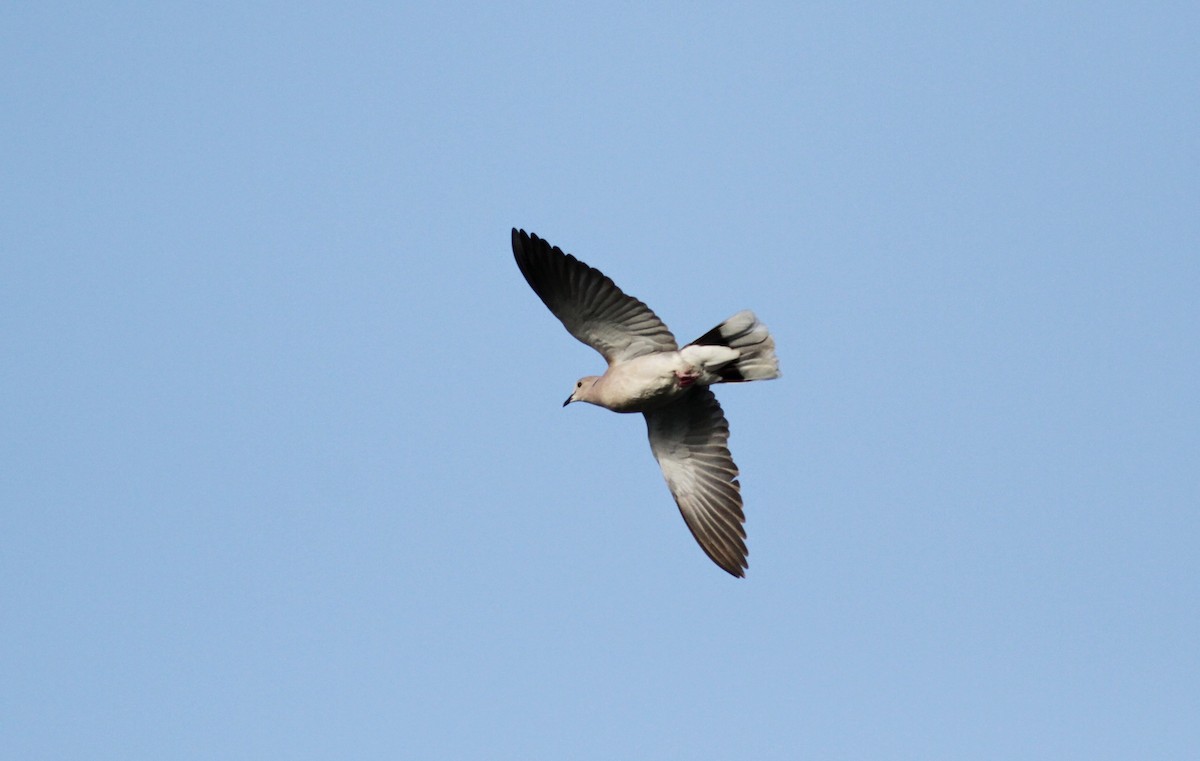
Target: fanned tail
745, 334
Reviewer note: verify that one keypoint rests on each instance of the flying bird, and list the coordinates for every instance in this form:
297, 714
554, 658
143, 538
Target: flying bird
648, 373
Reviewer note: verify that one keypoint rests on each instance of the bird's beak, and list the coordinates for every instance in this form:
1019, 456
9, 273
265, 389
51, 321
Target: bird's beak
570, 399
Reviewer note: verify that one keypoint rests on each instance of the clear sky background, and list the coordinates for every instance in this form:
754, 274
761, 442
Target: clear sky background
284, 470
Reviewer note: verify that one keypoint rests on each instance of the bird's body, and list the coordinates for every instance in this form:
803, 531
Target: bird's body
652, 380
649, 373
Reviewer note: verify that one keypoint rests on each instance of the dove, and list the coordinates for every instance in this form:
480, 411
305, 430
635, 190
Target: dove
649, 373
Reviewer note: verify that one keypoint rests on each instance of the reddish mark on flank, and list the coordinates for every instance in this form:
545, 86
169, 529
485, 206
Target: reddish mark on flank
686, 379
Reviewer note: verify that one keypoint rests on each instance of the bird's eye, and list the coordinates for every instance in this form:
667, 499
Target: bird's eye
579, 384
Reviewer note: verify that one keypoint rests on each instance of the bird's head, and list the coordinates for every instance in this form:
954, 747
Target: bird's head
583, 387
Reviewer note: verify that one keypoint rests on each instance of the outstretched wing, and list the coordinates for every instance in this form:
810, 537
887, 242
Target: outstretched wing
589, 304
689, 439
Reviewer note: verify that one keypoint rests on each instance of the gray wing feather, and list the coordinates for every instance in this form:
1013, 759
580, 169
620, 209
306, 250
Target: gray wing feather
689, 439
589, 304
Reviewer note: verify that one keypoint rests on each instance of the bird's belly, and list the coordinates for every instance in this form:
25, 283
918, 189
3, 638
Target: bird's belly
659, 380
649, 396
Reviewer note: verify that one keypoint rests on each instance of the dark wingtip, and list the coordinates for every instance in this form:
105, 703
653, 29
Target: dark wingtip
735, 564
522, 239
738, 571
525, 245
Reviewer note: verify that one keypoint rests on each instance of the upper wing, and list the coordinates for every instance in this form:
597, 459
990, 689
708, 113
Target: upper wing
689, 439
590, 305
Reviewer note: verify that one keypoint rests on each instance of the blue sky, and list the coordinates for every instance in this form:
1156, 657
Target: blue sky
284, 470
